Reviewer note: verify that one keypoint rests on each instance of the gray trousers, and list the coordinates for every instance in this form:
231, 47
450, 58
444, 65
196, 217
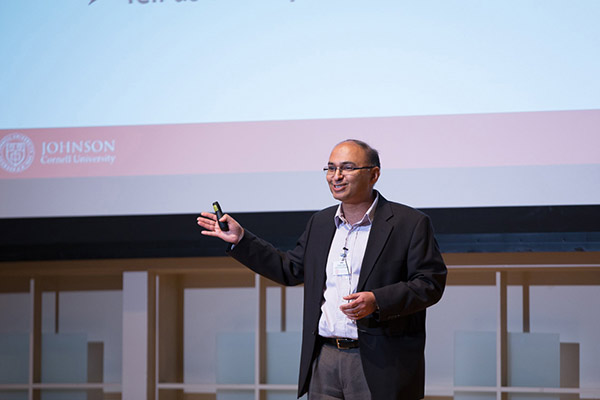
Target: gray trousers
338, 374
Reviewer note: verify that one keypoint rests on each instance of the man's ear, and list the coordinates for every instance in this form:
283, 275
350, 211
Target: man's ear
375, 172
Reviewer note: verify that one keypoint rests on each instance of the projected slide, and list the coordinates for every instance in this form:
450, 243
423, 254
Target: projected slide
113, 107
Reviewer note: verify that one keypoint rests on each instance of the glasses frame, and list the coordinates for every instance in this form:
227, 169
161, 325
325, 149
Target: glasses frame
345, 168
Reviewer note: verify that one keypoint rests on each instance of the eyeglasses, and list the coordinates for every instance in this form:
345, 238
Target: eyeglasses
344, 169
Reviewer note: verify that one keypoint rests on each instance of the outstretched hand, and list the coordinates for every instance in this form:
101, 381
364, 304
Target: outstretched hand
208, 221
360, 305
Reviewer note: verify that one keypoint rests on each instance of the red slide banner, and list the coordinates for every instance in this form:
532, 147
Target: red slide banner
472, 140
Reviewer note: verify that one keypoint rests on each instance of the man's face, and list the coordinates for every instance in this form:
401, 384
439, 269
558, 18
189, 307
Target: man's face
356, 186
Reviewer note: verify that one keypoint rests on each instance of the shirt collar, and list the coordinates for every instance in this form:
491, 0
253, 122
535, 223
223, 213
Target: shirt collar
367, 218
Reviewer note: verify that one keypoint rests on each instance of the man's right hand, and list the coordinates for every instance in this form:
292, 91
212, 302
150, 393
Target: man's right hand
208, 221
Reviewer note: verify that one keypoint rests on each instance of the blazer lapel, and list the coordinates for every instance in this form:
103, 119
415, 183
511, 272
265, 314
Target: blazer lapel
380, 232
324, 233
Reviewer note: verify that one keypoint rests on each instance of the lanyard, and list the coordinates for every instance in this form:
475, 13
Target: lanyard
342, 267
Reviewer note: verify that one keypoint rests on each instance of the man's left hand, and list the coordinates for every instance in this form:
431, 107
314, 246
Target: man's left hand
360, 305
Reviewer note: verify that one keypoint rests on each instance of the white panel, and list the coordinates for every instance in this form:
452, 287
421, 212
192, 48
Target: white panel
135, 335
64, 358
14, 358
475, 359
283, 357
235, 357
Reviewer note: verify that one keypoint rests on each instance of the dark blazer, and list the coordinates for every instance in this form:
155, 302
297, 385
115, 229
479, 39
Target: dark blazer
402, 266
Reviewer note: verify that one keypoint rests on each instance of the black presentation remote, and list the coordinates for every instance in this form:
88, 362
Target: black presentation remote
223, 225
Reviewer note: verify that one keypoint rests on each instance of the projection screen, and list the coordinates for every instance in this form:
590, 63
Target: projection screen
124, 107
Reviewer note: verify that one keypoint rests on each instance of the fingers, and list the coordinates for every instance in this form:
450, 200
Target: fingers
208, 221
209, 215
352, 296
353, 309
361, 305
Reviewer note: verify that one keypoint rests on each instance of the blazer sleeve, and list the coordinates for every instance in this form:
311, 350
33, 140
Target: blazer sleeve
285, 268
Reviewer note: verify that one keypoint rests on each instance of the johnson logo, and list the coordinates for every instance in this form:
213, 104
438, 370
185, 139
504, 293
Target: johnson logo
79, 152
16, 152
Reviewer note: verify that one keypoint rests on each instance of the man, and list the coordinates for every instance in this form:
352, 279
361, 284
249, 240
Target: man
369, 267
